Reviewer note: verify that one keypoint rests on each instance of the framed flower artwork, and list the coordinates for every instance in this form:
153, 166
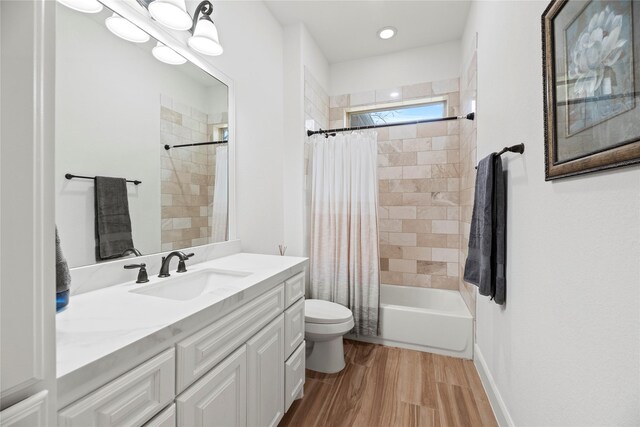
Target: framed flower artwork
591, 68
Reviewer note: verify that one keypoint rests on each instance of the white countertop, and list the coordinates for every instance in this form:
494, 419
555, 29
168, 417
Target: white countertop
113, 320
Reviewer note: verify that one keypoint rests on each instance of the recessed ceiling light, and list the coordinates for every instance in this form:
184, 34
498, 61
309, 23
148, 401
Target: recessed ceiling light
125, 29
386, 33
167, 55
394, 94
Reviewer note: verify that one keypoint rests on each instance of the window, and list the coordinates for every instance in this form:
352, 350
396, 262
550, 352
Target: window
399, 113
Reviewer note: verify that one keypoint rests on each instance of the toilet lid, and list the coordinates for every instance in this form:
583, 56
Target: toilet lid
319, 311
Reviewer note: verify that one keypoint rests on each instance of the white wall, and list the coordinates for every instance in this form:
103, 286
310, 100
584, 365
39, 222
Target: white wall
565, 349
424, 64
300, 51
101, 129
253, 57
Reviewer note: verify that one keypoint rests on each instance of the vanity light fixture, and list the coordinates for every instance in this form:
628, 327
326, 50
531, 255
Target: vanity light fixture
205, 34
170, 13
167, 55
387, 32
125, 29
86, 6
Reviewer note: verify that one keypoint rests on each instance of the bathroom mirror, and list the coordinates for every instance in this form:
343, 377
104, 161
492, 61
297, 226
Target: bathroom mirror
117, 107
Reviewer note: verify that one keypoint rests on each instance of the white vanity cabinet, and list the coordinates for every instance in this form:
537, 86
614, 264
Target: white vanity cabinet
243, 369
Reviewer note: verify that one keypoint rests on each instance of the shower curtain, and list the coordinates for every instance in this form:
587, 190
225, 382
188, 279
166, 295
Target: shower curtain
220, 197
343, 225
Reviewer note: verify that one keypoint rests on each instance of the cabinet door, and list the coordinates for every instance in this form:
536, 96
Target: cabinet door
265, 382
219, 398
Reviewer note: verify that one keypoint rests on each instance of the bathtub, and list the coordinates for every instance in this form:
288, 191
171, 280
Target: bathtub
425, 319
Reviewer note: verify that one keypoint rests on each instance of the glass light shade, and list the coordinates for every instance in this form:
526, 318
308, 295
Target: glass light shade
125, 29
167, 55
205, 38
171, 13
86, 6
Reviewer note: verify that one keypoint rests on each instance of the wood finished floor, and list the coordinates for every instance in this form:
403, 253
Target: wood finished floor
386, 386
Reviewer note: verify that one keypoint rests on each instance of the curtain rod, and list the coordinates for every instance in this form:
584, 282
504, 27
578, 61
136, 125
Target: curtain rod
469, 116
168, 147
71, 176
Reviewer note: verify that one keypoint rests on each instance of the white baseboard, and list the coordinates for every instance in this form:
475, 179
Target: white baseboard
497, 403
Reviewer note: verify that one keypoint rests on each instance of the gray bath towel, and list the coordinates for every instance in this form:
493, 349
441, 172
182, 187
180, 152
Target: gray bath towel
485, 265
63, 278
113, 225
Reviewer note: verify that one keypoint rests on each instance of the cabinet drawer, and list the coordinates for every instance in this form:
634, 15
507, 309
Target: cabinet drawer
294, 376
166, 418
206, 348
130, 400
294, 288
31, 411
293, 327
219, 398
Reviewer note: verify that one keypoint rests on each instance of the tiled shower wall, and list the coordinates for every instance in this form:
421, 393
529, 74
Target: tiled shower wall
468, 161
316, 103
187, 176
419, 182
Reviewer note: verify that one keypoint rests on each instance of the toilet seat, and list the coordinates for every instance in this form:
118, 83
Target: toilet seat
325, 312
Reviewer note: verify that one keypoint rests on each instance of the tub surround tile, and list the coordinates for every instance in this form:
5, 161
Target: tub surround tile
416, 172
445, 255
419, 280
363, 98
419, 181
420, 90
416, 226
432, 268
402, 265
403, 239
402, 132
416, 253
402, 212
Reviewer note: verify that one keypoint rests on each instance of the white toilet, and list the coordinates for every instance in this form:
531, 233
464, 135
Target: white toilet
325, 323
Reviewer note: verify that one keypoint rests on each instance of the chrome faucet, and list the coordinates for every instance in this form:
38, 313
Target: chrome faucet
164, 268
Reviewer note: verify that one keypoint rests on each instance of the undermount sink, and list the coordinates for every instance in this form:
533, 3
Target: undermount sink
187, 286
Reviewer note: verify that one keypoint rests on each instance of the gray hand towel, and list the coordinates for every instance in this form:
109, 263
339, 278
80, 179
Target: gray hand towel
499, 246
113, 224
485, 265
63, 278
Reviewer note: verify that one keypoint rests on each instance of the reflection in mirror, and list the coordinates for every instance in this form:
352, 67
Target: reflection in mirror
117, 107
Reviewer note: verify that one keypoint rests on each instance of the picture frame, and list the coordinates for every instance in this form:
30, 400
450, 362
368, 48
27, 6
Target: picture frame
591, 77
